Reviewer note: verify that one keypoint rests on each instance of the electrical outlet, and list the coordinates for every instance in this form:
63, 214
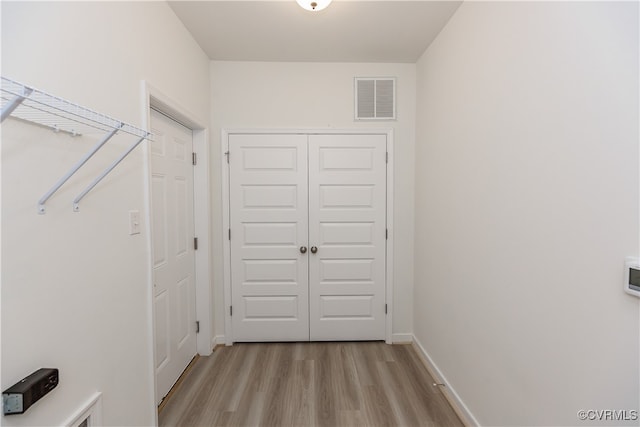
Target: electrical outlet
134, 222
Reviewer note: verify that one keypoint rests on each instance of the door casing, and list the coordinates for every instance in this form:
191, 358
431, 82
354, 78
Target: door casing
152, 96
175, 275
224, 170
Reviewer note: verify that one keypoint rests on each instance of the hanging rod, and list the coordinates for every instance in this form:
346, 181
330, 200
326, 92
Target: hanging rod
36, 106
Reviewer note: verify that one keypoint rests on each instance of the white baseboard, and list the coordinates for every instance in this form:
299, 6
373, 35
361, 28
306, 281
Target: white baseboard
217, 340
449, 393
401, 338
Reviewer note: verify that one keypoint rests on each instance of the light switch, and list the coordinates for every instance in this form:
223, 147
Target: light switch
134, 222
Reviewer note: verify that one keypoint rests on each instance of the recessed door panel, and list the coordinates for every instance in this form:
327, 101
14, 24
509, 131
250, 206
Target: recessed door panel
346, 270
182, 211
270, 234
184, 322
271, 307
159, 208
269, 196
346, 307
346, 196
347, 233
161, 310
349, 158
272, 158
270, 271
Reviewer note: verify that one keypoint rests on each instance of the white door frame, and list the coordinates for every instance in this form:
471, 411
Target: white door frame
224, 146
153, 97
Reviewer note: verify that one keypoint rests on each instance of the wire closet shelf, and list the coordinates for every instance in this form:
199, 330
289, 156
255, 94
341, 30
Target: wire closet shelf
43, 109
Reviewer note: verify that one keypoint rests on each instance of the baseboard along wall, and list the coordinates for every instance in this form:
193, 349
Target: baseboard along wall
449, 393
401, 338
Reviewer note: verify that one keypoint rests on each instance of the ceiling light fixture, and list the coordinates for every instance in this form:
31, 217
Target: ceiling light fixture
313, 5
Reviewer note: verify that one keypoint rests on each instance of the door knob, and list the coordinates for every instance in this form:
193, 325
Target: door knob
314, 249
303, 249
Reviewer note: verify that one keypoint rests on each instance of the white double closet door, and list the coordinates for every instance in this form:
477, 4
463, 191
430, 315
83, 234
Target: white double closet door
308, 236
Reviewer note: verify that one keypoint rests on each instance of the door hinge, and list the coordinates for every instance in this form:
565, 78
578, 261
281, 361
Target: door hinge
228, 154
229, 234
385, 309
194, 159
197, 326
386, 234
387, 158
195, 243
230, 310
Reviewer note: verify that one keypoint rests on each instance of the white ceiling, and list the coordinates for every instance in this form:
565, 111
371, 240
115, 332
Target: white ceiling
347, 31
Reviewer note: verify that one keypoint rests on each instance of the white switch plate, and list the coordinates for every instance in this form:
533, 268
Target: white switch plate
134, 222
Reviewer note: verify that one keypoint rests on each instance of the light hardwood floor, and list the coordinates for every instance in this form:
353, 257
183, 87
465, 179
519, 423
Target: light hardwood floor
309, 384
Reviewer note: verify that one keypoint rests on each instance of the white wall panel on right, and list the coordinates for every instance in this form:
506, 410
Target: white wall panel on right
527, 202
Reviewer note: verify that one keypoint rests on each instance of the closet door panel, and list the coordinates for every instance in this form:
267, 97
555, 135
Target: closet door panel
347, 224
269, 214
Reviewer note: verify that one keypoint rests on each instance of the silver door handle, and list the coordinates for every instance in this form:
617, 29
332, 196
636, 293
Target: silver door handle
303, 249
314, 249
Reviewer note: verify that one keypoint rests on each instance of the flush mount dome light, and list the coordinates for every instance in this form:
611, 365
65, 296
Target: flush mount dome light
313, 5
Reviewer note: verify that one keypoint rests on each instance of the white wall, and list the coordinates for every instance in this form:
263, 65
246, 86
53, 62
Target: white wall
75, 286
316, 95
526, 205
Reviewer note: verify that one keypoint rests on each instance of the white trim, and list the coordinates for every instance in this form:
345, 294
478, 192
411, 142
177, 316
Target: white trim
91, 409
449, 393
226, 246
224, 179
202, 225
202, 193
217, 340
151, 326
391, 239
401, 338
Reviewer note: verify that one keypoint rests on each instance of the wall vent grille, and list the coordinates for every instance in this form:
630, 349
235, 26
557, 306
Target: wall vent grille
375, 98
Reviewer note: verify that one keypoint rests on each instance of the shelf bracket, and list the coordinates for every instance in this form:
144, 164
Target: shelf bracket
76, 201
74, 169
15, 103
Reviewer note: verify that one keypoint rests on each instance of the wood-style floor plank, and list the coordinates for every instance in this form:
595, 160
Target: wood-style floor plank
308, 384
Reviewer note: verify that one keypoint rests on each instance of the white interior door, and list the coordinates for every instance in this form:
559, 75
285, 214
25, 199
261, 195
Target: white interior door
269, 211
173, 251
347, 225
308, 237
